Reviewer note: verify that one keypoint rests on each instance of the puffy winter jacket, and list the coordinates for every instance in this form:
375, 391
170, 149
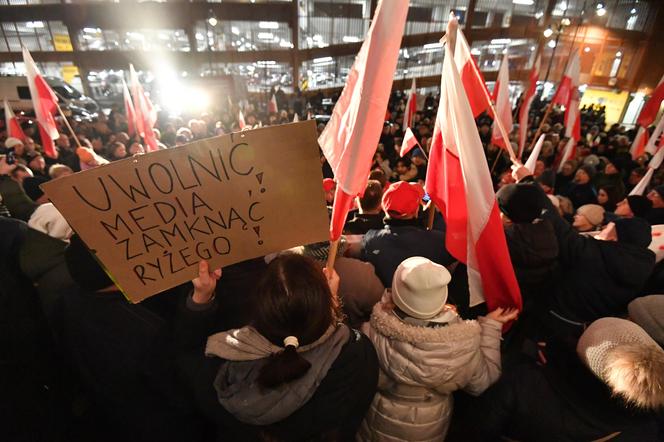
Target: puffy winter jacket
420, 368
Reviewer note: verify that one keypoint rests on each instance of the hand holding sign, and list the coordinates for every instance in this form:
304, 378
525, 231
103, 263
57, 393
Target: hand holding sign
205, 283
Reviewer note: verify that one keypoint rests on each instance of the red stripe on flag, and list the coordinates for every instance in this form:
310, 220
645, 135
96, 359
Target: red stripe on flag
340, 208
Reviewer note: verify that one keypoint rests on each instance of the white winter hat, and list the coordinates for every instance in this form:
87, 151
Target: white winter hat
12, 142
419, 287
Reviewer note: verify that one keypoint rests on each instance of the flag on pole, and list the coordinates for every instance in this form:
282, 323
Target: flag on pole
240, 120
411, 107
146, 114
653, 165
272, 105
45, 103
569, 152
528, 98
471, 77
659, 129
130, 111
651, 108
569, 82
350, 137
640, 142
296, 118
409, 142
11, 123
501, 96
534, 155
459, 182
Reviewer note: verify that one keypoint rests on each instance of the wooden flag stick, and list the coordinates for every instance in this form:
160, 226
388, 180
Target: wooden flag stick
431, 215
62, 114
332, 254
539, 129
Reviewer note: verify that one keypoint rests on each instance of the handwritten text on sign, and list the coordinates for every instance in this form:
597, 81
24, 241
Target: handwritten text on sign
151, 218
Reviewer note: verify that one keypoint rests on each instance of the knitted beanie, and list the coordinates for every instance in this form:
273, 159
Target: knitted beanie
639, 205
594, 213
621, 354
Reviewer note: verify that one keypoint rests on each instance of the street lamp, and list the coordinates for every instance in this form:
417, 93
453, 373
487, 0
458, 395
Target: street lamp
553, 44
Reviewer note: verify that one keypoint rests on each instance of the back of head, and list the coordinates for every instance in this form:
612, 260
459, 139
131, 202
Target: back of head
372, 197
378, 175
635, 231
630, 362
83, 267
293, 300
639, 205
520, 202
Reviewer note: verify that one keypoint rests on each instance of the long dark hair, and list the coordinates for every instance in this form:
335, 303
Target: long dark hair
614, 197
293, 299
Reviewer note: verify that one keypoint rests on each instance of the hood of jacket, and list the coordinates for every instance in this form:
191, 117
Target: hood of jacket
424, 356
239, 393
532, 245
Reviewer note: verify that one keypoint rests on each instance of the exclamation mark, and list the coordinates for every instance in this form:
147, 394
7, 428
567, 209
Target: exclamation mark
257, 229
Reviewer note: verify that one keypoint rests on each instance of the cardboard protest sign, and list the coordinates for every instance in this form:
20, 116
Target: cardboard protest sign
150, 219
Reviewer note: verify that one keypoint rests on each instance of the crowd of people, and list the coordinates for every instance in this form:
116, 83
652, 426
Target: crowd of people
385, 346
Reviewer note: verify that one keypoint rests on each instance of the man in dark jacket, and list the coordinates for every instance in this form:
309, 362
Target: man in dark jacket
656, 214
370, 215
402, 236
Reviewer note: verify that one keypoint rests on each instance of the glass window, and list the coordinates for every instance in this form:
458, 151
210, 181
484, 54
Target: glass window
489, 53
503, 13
96, 39
259, 76
242, 36
326, 22
425, 16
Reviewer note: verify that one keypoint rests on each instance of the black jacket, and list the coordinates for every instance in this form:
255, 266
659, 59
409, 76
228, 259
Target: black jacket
655, 216
599, 278
334, 412
363, 222
581, 194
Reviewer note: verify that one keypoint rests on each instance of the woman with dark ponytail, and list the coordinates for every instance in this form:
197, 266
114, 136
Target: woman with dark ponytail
295, 373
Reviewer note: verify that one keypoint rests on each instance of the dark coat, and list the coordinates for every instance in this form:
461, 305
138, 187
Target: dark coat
581, 194
560, 401
334, 412
363, 222
20, 206
655, 216
599, 278
398, 240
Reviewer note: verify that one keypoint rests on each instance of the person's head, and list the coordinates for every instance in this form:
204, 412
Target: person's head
633, 205
584, 174
30, 145
636, 175
607, 197
656, 196
419, 288
63, 142
84, 267
588, 218
294, 301
59, 170
403, 166
329, 187
569, 167
16, 145
610, 169
547, 180
136, 148
20, 173
97, 143
118, 151
402, 200
539, 168
623, 356
370, 202
379, 175
519, 203
36, 162
633, 231
418, 158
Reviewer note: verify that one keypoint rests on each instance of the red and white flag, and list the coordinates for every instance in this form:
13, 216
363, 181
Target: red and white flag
569, 82
534, 155
350, 137
653, 165
640, 142
471, 77
45, 103
130, 112
272, 105
411, 107
569, 152
146, 114
12, 124
240, 120
501, 96
459, 183
654, 137
528, 98
409, 142
651, 108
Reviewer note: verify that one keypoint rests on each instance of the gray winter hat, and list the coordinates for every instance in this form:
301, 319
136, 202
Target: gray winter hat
648, 312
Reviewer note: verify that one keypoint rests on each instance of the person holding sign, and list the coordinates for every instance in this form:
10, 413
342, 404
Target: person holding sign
296, 372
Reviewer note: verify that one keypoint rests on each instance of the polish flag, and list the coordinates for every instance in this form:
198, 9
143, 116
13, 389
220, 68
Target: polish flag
130, 112
409, 142
471, 77
296, 118
527, 102
534, 155
501, 96
654, 164
272, 105
640, 142
459, 183
569, 82
411, 107
569, 152
146, 114
657, 133
45, 103
240, 120
11, 123
651, 108
350, 137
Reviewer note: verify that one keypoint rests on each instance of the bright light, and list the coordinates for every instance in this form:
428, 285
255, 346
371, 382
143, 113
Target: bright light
405, 71
317, 37
548, 32
563, 6
285, 44
34, 24
433, 46
539, 15
213, 21
618, 54
265, 35
524, 2
92, 30
501, 41
551, 44
600, 5
586, 49
235, 30
200, 36
475, 51
268, 25
565, 21
601, 12
267, 62
350, 39
322, 60
532, 49
633, 11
